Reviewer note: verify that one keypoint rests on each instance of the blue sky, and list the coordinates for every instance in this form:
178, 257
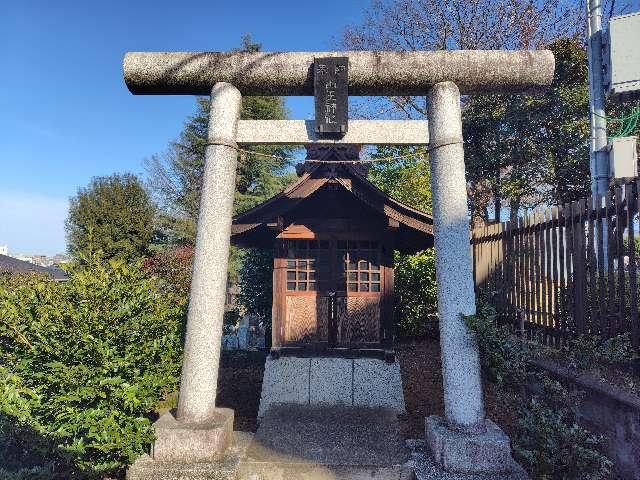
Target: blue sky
66, 115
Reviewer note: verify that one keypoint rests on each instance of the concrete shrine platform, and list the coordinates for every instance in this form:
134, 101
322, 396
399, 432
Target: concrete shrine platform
327, 381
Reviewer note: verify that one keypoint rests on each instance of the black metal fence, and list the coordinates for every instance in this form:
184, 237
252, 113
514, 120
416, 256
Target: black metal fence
566, 271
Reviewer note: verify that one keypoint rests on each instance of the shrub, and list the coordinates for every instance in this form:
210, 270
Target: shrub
256, 283
84, 364
173, 268
503, 360
550, 442
547, 440
587, 351
415, 293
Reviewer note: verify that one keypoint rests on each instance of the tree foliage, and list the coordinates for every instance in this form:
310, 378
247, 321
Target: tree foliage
175, 178
408, 181
256, 282
113, 214
531, 150
519, 150
172, 267
83, 363
409, 25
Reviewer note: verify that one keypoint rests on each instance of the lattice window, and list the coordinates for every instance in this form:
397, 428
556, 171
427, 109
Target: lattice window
307, 265
360, 266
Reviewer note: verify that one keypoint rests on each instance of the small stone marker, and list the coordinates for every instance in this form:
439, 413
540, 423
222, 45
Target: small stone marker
331, 94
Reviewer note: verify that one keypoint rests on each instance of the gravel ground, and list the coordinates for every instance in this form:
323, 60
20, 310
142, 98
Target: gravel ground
240, 383
422, 382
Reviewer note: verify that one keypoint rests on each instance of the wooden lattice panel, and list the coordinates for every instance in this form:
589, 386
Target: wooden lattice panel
358, 320
307, 319
322, 316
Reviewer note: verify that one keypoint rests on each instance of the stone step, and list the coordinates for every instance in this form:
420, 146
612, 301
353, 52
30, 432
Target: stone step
328, 435
316, 442
301, 471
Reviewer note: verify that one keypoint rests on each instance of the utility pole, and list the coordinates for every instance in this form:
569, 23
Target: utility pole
599, 158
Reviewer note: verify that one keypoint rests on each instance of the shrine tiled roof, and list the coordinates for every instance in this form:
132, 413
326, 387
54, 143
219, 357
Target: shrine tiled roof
258, 226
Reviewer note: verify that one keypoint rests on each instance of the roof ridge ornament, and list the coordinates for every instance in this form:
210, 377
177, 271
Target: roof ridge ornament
328, 157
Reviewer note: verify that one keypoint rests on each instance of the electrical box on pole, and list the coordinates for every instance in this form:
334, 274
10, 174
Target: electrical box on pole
622, 57
623, 159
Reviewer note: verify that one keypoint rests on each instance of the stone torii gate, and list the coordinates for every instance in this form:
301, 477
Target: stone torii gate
464, 440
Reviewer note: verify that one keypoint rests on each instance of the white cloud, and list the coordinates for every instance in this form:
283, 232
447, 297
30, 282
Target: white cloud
32, 223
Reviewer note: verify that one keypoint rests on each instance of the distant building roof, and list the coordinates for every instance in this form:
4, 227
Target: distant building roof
13, 265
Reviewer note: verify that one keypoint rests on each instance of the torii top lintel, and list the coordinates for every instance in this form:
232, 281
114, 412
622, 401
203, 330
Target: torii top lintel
370, 72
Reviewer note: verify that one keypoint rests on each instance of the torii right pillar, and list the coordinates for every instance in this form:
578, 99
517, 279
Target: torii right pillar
463, 441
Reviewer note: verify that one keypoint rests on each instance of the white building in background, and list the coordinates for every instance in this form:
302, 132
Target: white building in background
36, 259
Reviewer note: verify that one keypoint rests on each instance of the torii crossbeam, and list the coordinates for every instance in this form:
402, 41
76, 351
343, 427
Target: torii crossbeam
370, 73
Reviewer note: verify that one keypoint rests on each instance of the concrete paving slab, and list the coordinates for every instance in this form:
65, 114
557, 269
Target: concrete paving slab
344, 436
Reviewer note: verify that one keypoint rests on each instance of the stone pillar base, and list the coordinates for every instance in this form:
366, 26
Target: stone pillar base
182, 442
454, 451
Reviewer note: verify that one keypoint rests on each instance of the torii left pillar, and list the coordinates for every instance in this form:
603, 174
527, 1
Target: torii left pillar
201, 432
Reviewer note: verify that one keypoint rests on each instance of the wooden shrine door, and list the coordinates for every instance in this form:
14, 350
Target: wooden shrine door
359, 288
328, 292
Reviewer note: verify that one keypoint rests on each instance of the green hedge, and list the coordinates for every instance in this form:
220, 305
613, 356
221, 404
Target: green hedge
547, 439
84, 363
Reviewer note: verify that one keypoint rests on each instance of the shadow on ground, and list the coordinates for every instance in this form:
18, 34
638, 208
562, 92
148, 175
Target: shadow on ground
239, 386
25, 453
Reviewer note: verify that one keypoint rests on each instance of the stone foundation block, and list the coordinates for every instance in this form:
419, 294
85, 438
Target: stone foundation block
180, 442
145, 468
377, 383
362, 382
331, 381
488, 452
285, 380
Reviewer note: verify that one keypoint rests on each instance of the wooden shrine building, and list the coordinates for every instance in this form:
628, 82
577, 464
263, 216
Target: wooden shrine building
333, 233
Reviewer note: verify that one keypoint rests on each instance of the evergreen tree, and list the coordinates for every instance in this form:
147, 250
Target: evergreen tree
175, 180
113, 214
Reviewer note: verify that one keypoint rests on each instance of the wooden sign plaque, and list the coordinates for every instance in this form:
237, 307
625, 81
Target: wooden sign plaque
330, 81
